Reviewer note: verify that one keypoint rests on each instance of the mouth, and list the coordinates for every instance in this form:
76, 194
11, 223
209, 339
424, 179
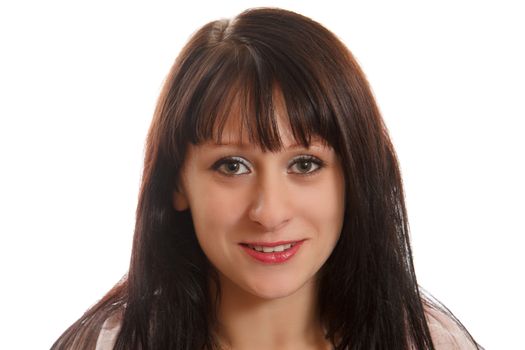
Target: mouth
272, 252
270, 247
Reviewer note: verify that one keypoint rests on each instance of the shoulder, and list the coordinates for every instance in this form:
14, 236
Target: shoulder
108, 333
446, 332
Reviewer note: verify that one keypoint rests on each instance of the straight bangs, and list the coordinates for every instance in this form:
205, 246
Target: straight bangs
250, 87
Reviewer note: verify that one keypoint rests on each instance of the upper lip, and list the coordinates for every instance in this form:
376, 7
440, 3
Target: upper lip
271, 244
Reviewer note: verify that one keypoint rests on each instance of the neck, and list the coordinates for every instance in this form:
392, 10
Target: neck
245, 321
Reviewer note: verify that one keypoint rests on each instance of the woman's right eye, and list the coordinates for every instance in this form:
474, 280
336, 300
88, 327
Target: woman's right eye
231, 166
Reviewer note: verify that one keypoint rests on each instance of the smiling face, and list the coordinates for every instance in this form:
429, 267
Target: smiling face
267, 221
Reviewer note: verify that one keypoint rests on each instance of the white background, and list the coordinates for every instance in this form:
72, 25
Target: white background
78, 84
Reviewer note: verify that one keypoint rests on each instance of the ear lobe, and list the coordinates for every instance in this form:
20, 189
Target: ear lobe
180, 202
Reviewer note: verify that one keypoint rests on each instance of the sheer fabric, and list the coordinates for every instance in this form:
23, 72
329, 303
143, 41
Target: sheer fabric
446, 334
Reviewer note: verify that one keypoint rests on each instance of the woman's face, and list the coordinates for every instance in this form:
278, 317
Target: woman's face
266, 221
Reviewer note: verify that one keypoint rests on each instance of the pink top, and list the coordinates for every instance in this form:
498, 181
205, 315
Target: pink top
445, 333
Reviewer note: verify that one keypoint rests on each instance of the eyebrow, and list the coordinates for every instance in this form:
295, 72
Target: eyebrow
314, 143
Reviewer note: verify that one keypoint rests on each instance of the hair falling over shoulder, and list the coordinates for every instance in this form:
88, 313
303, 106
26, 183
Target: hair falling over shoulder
368, 293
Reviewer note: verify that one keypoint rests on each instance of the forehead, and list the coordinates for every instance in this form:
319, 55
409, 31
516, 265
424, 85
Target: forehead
269, 128
235, 129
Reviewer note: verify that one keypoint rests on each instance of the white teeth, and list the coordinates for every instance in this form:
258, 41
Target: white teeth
278, 248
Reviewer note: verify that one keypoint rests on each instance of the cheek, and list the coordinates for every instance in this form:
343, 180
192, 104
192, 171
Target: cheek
323, 205
215, 210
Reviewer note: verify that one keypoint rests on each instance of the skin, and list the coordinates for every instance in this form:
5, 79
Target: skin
265, 198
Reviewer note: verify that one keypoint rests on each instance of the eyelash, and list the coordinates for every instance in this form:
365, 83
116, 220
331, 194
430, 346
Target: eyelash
238, 160
307, 158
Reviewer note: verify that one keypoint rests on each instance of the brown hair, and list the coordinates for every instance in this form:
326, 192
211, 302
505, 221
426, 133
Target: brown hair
368, 293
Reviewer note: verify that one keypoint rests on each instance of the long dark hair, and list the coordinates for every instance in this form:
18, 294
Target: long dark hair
368, 293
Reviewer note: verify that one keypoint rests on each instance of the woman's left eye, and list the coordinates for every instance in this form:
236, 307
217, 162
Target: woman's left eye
305, 165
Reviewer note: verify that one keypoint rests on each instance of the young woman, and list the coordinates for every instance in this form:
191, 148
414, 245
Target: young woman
271, 213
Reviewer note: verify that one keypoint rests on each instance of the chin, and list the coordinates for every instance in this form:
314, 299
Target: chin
272, 293
269, 290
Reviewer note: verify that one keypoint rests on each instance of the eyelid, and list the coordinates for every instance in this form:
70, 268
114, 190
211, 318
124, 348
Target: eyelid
230, 159
307, 157
235, 159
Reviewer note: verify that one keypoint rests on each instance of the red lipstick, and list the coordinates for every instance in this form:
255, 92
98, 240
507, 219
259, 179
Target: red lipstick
272, 252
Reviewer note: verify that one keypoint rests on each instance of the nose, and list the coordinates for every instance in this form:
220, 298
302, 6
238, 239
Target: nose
271, 205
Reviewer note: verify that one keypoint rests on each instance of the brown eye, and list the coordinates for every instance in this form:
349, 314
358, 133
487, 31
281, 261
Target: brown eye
306, 165
231, 166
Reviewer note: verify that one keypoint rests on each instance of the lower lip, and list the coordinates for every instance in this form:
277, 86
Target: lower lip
275, 257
